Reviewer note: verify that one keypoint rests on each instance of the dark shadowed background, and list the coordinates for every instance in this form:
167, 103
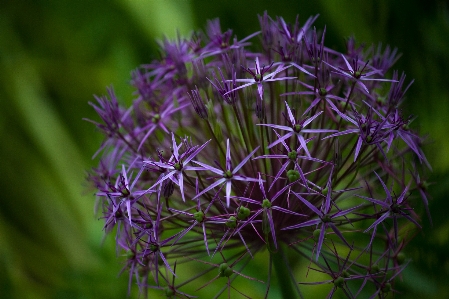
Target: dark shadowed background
55, 54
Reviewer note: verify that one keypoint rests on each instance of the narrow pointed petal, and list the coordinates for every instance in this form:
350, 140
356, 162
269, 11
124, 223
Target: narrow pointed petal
228, 192
216, 183
243, 162
228, 155
195, 152
320, 241
303, 224
210, 168
358, 147
309, 120
382, 218
307, 203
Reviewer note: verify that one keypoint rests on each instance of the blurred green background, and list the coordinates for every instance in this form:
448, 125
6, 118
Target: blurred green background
55, 54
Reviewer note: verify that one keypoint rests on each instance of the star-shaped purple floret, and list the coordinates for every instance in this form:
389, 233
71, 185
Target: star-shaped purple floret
178, 164
227, 175
297, 128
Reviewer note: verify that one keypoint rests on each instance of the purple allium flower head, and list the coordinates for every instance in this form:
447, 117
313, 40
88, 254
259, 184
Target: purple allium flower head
203, 172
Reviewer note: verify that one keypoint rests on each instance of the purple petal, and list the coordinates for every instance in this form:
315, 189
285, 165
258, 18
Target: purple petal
245, 199
260, 90
387, 191
358, 147
175, 147
210, 168
181, 186
261, 186
303, 224
290, 114
210, 187
196, 152
280, 139
237, 168
307, 203
302, 69
279, 69
309, 120
285, 128
320, 241
382, 218
273, 231
342, 133
344, 212
286, 211
228, 155
348, 65
376, 201
228, 192
302, 141
339, 234
205, 238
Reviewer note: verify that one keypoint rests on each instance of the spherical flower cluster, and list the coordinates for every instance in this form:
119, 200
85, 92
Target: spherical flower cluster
272, 145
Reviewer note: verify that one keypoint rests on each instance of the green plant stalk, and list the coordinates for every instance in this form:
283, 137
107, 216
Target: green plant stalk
282, 273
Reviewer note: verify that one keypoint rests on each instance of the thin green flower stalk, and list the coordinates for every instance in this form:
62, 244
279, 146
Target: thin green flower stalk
273, 147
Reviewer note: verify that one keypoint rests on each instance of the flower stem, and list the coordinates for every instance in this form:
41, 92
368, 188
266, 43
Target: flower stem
283, 273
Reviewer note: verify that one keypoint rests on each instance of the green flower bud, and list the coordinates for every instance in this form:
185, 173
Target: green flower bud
156, 118
400, 258
339, 282
292, 175
224, 270
369, 138
266, 204
227, 174
292, 155
374, 269
222, 267
228, 272
243, 213
231, 222
322, 91
130, 255
324, 191
386, 287
326, 218
199, 216
169, 292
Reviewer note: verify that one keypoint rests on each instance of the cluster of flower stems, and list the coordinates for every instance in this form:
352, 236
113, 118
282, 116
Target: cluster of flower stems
272, 145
